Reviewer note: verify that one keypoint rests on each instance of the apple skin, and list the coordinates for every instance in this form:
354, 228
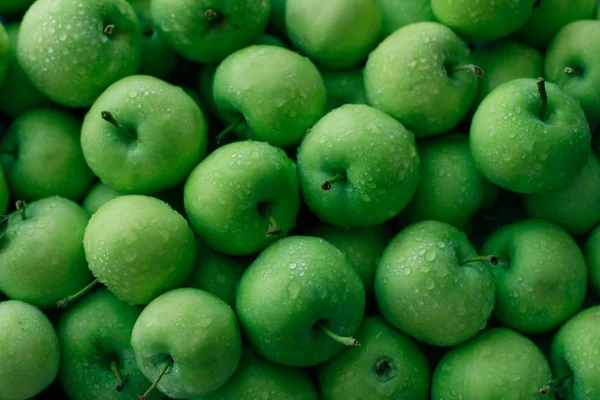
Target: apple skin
29, 351
550, 17
336, 33
189, 32
352, 374
541, 279
409, 76
230, 196
4, 193
169, 129
4, 54
375, 153
257, 378
280, 94
592, 255
529, 155
575, 350
576, 46
574, 206
292, 286
48, 160
344, 86
486, 20
68, 75
97, 196
139, 247
421, 289
195, 331
42, 259
498, 364
396, 14
92, 333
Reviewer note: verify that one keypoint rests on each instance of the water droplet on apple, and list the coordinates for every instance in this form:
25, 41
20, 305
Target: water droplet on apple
430, 256
429, 284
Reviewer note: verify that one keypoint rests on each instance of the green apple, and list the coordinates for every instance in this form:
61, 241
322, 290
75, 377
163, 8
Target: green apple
4, 54
269, 94
188, 339
97, 196
139, 247
550, 17
41, 254
423, 76
570, 63
216, 273
29, 351
42, 157
431, 284
298, 299
396, 14
575, 353
158, 59
541, 278
143, 135
388, 365
504, 61
574, 206
592, 255
344, 86
14, 6
270, 40
498, 364
242, 197
73, 49
17, 94
97, 360
4, 193
529, 137
256, 378
336, 33
483, 20
358, 167
450, 190
207, 31
362, 246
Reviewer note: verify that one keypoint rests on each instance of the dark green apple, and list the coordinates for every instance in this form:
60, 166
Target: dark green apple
396, 14
344, 86
97, 196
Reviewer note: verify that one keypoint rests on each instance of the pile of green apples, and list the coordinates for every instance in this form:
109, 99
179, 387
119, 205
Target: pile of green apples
299, 199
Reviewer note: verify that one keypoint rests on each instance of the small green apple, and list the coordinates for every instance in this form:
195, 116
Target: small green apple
29, 351
388, 365
139, 247
4, 193
358, 167
73, 49
592, 255
97, 196
344, 86
188, 341
297, 299
396, 14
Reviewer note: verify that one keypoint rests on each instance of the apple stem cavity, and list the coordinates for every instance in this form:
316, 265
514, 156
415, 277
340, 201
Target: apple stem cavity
477, 71
383, 367
64, 303
494, 260
223, 135
554, 384
212, 16
541, 84
8, 152
22, 209
346, 341
108, 117
329, 182
569, 70
162, 373
109, 30
120, 384
274, 229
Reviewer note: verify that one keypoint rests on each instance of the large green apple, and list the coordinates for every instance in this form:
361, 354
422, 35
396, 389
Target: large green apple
97, 360
97, 196
358, 167
529, 137
4, 193
422, 75
139, 247
297, 299
498, 364
41, 254
431, 284
242, 197
73, 49
541, 278
592, 255
269, 94
388, 365
207, 31
143, 135
396, 14
42, 157
29, 351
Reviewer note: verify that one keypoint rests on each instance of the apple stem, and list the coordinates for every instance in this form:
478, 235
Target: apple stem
274, 229
329, 182
554, 384
541, 84
494, 260
382, 366
212, 15
108, 117
64, 303
569, 70
22, 209
471, 67
109, 30
163, 371
221, 136
120, 385
347, 341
